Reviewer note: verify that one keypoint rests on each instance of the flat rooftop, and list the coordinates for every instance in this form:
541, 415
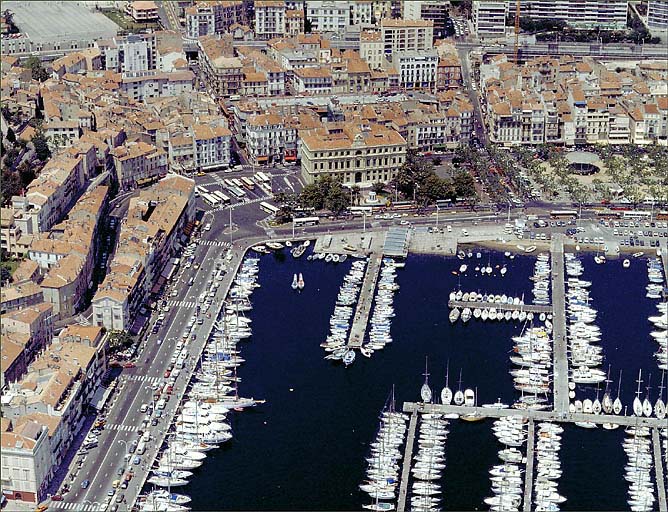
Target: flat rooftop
44, 22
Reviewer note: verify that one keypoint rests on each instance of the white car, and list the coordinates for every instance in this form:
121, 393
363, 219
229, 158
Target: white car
449, 229
207, 227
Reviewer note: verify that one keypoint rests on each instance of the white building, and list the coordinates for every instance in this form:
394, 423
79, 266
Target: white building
585, 14
489, 18
129, 54
371, 48
150, 84
270, 19
361, 13
27, 464
328, 15
417, 70
405, 35
209, 18
212, 146
657, 15
270, 140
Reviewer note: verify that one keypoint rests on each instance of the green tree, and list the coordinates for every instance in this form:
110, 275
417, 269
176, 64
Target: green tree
10, 135
378, 187
326, 193
27, 173
464, 184
41, 146
10, 186
36, 69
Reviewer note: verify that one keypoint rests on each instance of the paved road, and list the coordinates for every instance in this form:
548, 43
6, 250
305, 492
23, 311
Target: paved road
124, 418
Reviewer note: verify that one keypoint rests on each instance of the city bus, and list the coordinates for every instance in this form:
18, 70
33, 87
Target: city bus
361, 210
662, 215
636, 215
269, 208
211, 200
202, 190
248, 183
564, 214
236, 182
306, 221
223, 198
261, 177
237, 192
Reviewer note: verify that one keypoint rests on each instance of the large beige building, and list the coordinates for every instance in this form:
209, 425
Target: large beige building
406, 35
356, 153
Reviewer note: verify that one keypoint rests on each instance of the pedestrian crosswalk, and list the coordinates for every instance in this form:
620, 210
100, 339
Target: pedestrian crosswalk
121, 427
182, 303
79, 507
215, 243
145, 378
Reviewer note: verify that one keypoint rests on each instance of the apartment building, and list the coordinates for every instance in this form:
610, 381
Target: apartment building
136, 163
51, 195
432, 10
223, 73
144, 11
406, 35
210, 18
355, 153
212, 146
584, 14
270, 139
489, 18
372, 48
67, 254
129, 54
294, 22
270, 19
328, 15
27, 465
153, 84
20, 295
417, 70
657, 16
150, 235
312, 80
449, 73
29, 328
43, 413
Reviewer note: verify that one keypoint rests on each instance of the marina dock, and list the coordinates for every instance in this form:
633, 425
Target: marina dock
533, 308
528, 476
363, 309
408, 459
553, 416
560, 355
659, 471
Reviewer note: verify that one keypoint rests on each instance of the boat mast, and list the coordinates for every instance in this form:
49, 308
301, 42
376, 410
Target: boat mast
639, 381
447, 373
619, 385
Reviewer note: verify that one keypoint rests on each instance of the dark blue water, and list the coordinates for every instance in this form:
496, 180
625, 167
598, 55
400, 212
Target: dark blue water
304, 449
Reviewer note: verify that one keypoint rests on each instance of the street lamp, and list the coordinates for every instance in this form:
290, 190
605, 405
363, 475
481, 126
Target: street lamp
437, 211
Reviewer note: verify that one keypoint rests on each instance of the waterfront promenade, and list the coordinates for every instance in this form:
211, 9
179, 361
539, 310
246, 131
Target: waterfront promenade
408, 458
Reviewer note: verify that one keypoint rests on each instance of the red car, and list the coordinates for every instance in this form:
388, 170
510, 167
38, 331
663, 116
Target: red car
129, 364
56, 497
167, 374
169, 390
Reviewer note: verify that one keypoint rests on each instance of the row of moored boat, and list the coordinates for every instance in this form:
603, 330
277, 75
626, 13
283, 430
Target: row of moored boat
383, 310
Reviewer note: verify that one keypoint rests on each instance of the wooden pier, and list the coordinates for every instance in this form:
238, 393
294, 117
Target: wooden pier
363, 309
408, 459
553, 416
658, 464
533, 308
528, 476
559, 354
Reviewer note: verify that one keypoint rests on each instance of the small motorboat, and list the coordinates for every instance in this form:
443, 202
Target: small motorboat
626, 263
300, 282
295, 282
349, 357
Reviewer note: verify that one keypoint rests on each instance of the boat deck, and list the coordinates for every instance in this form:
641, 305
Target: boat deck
533, 308
559, 354
363, 310
408, 458
528, 476
659, 471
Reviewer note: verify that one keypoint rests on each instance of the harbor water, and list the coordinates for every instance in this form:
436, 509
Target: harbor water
304, 448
